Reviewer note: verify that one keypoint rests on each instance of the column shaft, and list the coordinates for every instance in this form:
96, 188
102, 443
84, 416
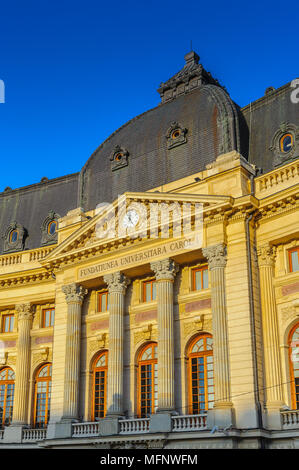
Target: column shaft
21, 396
165, 272
74, 297
117, 284
216, 256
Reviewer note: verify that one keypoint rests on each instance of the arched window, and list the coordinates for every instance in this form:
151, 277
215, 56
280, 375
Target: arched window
294, 365
100, 386
7, 386
201, 374
147, 381
42, 396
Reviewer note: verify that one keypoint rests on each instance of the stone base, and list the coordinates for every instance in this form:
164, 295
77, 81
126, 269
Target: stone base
160, 422
222, 417
273, 418
60, 430
109, 426
13, 434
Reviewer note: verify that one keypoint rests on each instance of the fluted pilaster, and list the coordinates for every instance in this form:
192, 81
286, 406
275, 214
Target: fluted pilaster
216, 256
274, 393
117, 284
74, 295
20, 408
165, 272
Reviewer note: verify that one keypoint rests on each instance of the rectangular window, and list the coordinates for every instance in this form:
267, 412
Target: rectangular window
200, 278
103, 301
149, 291
48, 317
7, 323
294, 259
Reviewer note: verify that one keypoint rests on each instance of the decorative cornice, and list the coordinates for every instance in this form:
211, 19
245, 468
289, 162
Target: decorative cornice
165, 269
74, 293
266, 255
216, 256
117, 282
25, 311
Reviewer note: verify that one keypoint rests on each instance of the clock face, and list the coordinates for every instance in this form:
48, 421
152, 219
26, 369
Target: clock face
130, 219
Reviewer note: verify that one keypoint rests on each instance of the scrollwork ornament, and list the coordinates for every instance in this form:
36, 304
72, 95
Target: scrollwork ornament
25, 311
266, 255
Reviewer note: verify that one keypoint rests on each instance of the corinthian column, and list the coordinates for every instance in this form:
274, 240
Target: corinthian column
165, 272
216, 256
274, 394
21, 403
74, 295
117, 284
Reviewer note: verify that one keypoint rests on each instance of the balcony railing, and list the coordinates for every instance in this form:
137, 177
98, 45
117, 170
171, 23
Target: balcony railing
142, 425
189, 422
85, 429
134, 426
290, 419
33, 435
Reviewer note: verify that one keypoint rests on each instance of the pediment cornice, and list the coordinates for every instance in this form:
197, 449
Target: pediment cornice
84, 241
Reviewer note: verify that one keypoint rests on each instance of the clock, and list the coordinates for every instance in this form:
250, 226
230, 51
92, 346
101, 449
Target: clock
130, 219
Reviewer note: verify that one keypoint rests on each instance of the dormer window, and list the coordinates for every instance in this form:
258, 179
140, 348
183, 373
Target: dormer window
119, 158
49, 229
285, 143
176, 135
14, 238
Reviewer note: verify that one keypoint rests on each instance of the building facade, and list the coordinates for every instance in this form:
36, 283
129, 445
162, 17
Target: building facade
151, 300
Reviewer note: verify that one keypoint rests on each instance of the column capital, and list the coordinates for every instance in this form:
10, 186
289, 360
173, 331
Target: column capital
165, 269
266, 255
216, 255
117, 282
25, 311
74, 292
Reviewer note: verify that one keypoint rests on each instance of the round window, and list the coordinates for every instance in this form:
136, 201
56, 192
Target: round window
118, 157
52, 227
176, 134
14, 235
286, 143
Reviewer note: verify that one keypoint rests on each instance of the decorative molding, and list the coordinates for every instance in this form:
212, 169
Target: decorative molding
100, 342
117, 282
290, 313
119, 158
74, 293
216, 256
148, 333
42, 355
198, 324
165, 269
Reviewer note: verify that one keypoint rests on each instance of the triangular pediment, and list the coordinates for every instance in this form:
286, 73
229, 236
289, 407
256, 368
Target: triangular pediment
107, 228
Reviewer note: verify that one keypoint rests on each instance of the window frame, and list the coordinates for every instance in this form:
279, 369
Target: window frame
144, 284
201, 269
140, 363
4, 316
5, 383
291, 368
204, 354
100, 295
94, 371
48, 380
52, 314
290, 251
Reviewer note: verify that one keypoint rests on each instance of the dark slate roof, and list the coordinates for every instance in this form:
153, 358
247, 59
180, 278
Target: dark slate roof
211, 120
263, 118
29, 206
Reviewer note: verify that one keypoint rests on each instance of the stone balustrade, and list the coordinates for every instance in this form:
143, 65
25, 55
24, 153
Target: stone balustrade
290, 419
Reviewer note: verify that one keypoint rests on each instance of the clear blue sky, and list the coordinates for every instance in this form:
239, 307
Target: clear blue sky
75, 71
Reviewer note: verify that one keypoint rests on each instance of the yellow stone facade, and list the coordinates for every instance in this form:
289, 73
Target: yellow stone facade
248, 225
